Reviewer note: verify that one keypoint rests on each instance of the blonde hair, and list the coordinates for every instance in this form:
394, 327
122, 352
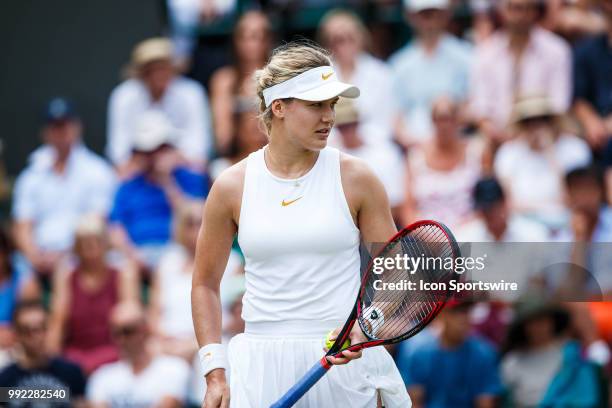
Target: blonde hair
286, 62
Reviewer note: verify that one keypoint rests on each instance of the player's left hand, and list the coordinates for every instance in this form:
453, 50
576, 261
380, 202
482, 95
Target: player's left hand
356, 336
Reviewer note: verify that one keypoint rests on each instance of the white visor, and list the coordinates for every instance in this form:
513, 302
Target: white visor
317, 84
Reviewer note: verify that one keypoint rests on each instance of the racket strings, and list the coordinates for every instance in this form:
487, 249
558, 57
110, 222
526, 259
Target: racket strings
389, 313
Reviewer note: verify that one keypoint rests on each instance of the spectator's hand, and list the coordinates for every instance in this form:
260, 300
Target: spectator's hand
133, 166
45, 262
581, 226
356, 336
493, 133
217, 390
165, 164
595, 131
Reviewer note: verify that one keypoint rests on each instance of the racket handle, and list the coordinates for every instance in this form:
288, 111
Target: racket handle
301, 387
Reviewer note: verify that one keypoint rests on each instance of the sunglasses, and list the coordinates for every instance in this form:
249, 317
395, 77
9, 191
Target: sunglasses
29, 330
125, 331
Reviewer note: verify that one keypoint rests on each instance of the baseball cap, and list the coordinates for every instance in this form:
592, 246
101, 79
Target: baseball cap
153, 129
487, 192
58, 109
419, 5
316, 84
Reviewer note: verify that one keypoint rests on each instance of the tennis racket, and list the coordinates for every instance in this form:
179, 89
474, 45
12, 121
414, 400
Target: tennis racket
388, 316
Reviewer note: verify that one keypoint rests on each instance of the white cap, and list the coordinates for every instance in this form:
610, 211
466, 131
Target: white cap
153, 129
317, 84
419, 5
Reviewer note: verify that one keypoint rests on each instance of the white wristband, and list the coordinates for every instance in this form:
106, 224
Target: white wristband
212, 356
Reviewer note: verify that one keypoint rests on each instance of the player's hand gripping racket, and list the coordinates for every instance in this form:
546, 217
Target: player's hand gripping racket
387, 315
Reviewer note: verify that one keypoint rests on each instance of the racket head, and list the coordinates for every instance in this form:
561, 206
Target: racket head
390, 316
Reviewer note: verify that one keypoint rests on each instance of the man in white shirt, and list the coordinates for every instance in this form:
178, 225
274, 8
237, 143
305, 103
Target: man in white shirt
63, 181
432, 65
139, 379
155, 85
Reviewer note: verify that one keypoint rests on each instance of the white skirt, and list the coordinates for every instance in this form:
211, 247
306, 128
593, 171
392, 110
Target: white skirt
263, 367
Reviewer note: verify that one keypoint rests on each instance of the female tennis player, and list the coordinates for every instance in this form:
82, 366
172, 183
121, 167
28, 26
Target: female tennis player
299, 209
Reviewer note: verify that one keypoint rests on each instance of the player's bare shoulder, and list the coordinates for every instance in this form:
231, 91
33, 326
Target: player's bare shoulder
356, 172
359, 181
226, 191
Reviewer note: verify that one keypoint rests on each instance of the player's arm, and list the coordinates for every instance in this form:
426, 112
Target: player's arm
367, 200
212, 251
369, 206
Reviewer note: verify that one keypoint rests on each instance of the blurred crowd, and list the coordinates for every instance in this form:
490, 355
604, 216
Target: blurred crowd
492, 116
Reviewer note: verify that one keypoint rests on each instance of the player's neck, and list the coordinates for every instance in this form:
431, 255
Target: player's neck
288, 161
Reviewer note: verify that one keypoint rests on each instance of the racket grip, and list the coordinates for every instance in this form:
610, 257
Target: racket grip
301, 387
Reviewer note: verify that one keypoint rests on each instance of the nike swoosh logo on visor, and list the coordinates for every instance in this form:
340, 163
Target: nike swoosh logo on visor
326, 77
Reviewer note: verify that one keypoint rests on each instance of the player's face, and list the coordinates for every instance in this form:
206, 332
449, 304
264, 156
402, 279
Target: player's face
309, 123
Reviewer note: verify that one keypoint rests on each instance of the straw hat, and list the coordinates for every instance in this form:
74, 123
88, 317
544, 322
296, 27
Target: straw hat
147, 51
530, 107
346, 112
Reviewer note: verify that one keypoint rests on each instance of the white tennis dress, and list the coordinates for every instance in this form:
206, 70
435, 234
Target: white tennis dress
302, 276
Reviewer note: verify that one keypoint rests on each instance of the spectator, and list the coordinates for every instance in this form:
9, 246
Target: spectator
442, 171
16, 285
574, 19
139, 378
495, 222
345, 35
63, 181
144, 204
155, 85
34, 367
187, 17
539, 359
520, 59
543, 148
384, 157
231, 87
83, 296
470, 375
170, 297
591, 226
593, 83
249, 136
433, 65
